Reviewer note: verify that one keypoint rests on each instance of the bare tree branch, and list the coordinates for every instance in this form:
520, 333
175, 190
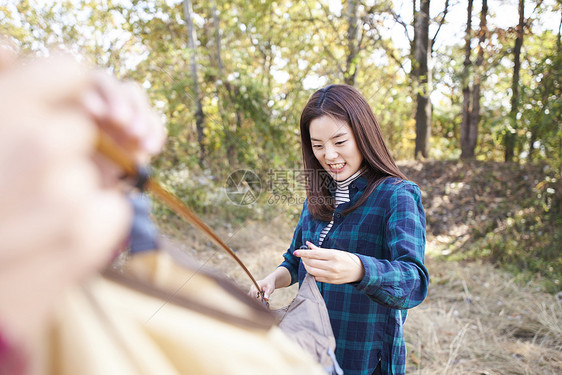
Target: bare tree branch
441, 21
378, 38
325, 47
398, 19
330, 22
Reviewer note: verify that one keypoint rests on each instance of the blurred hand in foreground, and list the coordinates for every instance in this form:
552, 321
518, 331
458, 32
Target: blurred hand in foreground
63, 213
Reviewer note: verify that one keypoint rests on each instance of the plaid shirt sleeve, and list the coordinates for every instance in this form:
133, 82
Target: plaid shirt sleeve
292, 262
402, 281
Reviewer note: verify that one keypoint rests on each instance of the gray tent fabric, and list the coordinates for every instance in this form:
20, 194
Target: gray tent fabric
307, 322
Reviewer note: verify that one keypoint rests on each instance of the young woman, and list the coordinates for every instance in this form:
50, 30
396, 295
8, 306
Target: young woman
361, 233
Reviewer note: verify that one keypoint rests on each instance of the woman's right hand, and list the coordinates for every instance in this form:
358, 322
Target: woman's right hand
267, 286
279, 278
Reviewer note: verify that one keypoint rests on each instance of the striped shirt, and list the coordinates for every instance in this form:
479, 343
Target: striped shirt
342, 196
387, 233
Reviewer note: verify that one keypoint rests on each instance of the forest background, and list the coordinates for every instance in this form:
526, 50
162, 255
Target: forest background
448, 80
468, 94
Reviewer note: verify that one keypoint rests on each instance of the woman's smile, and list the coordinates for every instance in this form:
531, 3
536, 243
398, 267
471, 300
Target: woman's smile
334, 146
336, 167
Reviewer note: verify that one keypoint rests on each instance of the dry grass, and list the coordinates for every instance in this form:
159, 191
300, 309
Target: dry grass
259, 245
476, 320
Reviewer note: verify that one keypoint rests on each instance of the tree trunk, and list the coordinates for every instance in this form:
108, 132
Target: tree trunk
466, 92
226, 105
230, 151
478, 74
199, 115
352, 42
218, 42
423, 79
532, 141
511, 134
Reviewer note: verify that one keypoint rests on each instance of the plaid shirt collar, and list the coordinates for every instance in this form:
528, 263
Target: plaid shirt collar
356, 186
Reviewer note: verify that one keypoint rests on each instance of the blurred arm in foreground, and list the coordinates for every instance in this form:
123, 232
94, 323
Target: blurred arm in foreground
62, 213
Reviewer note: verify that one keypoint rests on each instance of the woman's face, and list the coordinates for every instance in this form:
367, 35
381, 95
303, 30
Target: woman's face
334, 146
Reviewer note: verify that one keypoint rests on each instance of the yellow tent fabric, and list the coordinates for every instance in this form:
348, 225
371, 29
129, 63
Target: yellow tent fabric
139, 322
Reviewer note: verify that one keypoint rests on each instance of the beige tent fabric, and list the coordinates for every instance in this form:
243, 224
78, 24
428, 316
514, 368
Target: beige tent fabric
141, 322
307, 322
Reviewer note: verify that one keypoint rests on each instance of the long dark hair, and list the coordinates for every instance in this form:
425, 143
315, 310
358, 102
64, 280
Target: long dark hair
344, 103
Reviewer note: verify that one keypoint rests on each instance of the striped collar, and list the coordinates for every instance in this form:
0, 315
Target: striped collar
343, 185
356, 184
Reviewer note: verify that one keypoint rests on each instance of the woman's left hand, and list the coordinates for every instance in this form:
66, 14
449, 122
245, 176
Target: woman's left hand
330, 265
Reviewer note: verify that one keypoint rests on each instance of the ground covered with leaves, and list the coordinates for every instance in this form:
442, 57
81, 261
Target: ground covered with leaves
503, 213
493, 254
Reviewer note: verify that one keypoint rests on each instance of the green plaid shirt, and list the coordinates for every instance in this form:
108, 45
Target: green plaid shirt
387, 232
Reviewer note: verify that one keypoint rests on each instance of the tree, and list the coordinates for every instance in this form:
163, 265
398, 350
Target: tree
226, 103
466, 90
199, 115
329, 27
352, 42
471, 96
478, 74
422, 76
510, 135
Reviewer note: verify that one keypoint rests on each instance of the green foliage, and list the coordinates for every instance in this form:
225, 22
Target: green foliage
527, 244
273, 55
521, 231
542, 108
